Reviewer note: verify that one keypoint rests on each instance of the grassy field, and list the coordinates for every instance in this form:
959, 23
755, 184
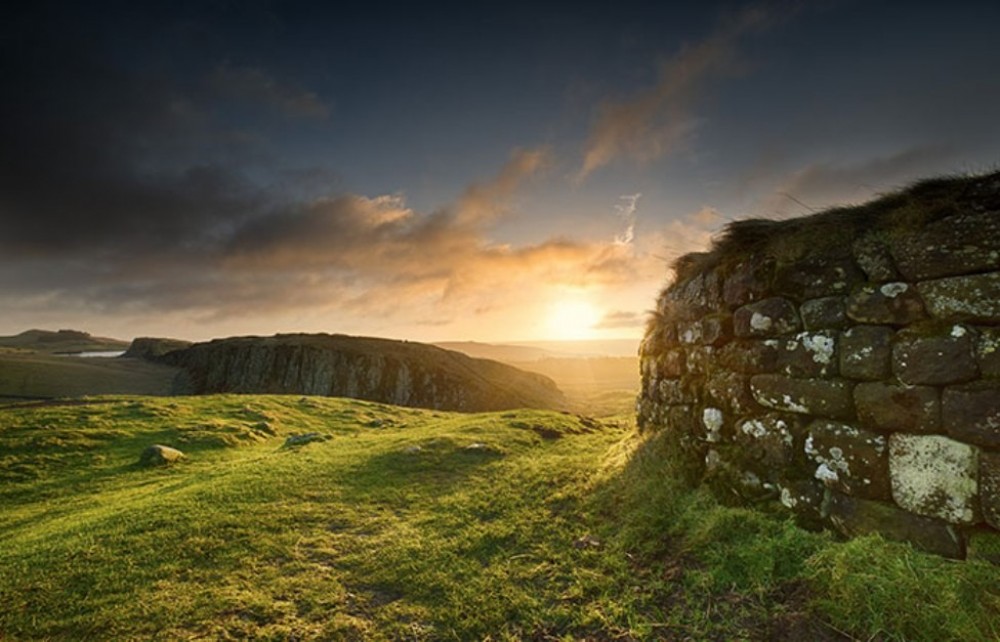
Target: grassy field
31, 375
409, 524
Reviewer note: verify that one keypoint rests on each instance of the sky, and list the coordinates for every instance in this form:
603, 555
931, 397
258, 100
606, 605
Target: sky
448, 171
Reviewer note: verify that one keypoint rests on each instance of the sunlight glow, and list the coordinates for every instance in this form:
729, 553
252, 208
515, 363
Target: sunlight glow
572, 320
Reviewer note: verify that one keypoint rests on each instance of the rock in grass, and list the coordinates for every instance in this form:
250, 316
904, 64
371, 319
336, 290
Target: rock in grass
157, 455
309, 437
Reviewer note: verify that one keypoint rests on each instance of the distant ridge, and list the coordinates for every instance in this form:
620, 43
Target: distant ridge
61, 341
384, 370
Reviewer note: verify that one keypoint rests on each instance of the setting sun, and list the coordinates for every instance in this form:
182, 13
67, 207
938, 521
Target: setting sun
572, 320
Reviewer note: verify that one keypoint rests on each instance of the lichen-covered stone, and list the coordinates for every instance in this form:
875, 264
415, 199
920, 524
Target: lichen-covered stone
158, 455
693, 298
866, 352
731, 391
935, 359
826, 313
935, 476
809, 354
988, 352
713, 420
769, 439
747, 282
712, 330
983, 545
820, 397
961, 244
874, 258
768, 318
964, 298
893, 303
804, 498
750, 357
817, 276
887, 407
669, 365
989, 487
849, 459
854, 517
676, 391
700, 360
971, 413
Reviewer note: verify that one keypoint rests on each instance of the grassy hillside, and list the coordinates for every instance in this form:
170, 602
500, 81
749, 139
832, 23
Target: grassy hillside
61, 341
42, 376
401, 523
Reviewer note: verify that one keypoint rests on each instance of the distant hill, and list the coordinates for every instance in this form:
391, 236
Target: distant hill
497, 352
61, 341
396, 372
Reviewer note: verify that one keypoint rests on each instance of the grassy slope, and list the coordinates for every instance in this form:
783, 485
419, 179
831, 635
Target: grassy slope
46, 341
550, 528
35, 375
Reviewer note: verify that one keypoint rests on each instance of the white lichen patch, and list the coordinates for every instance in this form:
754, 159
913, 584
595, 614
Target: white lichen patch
826, 474
821, 347
754, 428
892, 290
958, 331
712, 418
788, 500
935, 476
761, 322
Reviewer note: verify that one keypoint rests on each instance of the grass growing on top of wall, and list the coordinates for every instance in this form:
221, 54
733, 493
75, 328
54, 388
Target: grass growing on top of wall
413, 524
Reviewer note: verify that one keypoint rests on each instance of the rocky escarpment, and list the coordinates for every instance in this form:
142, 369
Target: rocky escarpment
846, 364
151, 348
395, 372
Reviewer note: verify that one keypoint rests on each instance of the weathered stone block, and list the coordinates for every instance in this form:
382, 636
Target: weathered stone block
750, 357
935, 359
659, 338
713, 422
971, 413
157, 455
897, 408
821, 397
805, 500
935, 476
989, 487
768, 318
964, 298
679, 420
700, 360
712, 330
746, 283
676, 392
891, 303
731, 391
854, 517
694, 298
827, 313
769, 439
866, 352
670, 364
959, 244
848, 459
817, 276
988, 352
874, 258
809, 354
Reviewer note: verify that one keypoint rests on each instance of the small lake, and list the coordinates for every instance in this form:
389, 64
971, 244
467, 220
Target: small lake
95, 353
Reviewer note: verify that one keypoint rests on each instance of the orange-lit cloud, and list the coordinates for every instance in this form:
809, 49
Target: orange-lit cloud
658, 120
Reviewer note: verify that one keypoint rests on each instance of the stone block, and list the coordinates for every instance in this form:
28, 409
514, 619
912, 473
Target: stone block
700, 360
988, 352
694, 298
849, 459
158, 455
659, 337
989, 487
893, 303
960, 244
971, 413
676, 392
769, 439
670, 364
731, 391
827, 313
713, 330
898, 408
746, 283
935, 359
874, 258
809, 354
854, 517
964, 298
679, 420
812, 277
768, 318
866, 352
935, 476
805, 500
820, 397
713, 422
750, 357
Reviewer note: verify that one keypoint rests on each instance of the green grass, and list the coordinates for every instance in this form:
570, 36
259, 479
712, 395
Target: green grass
43, 376
415, 524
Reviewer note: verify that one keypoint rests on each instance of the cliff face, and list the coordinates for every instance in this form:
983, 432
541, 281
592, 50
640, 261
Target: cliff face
395, 372
844, 364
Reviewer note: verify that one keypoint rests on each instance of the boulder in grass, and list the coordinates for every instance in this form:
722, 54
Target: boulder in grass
157, 455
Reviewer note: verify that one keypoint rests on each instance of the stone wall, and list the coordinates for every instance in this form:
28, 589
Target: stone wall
846, 365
